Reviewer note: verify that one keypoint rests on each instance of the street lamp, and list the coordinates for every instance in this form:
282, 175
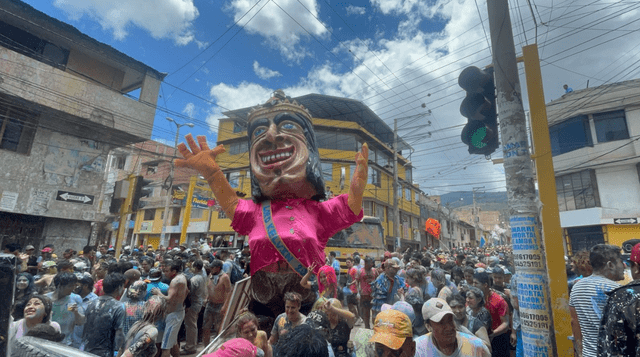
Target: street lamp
170, 181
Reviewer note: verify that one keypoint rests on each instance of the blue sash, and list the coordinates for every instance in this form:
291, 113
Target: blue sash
277, 242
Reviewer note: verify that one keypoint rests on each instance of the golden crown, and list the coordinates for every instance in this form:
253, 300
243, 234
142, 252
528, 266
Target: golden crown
278, 103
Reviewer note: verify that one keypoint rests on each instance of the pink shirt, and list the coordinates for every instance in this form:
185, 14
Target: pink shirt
304, 225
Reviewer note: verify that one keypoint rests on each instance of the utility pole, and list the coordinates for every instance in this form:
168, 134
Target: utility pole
163, 235
528, 249
475, 213
396, 209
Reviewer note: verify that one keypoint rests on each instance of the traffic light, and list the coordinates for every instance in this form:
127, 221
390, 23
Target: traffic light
142, 190
114, 207
479, 107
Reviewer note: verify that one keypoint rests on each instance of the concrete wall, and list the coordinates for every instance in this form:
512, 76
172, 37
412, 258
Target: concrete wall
64, 234
45, 85
56, 163
619, 189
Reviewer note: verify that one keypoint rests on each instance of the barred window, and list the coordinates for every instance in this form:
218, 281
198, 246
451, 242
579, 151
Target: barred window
578, 190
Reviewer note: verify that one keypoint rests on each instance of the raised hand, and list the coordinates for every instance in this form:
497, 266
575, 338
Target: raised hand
203, 159
359, 180
200, 157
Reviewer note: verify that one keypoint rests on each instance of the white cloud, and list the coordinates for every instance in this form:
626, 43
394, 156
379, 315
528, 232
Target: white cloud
355, 10
229, 98
275, 22
189, 109
263, 72
171, 19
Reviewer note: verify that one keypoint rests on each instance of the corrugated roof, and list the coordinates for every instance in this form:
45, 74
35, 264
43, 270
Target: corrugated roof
599, 99
336, 108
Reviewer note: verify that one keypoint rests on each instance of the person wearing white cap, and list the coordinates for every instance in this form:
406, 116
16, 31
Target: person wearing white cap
444, 340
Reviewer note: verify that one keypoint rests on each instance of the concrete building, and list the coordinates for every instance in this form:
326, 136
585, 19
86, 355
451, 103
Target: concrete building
595, 145
341, 126
66, 100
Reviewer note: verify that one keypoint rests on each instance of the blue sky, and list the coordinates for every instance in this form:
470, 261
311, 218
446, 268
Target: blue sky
394, 55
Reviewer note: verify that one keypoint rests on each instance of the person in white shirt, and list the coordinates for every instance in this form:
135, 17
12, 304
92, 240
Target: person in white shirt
444, 340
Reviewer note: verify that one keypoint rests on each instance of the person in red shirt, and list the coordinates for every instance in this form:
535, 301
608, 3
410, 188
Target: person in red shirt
352, 285
364, 278
499, 310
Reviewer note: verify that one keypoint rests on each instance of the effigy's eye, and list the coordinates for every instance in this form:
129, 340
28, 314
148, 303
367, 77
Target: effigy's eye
259, 131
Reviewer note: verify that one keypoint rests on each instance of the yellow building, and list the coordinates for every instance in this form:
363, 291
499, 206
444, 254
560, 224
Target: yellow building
341, 125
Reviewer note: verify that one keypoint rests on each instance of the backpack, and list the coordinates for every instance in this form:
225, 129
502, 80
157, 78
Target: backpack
236, 272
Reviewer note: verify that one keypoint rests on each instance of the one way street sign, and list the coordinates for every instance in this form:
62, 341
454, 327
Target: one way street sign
74, 197
625, 220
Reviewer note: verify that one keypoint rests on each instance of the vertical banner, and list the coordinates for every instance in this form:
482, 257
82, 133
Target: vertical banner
533, 285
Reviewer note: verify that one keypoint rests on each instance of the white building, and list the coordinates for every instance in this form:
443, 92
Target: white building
595, 142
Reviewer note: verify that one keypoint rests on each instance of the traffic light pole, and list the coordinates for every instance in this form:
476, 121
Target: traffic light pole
538, 334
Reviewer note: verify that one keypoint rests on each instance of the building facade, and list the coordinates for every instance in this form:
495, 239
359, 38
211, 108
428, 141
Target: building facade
66, 100
595, 145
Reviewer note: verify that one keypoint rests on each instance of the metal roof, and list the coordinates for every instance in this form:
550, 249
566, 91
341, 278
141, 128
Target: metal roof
599, 99
336, 108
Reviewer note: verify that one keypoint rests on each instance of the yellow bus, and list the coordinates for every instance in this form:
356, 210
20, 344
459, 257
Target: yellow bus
365, 237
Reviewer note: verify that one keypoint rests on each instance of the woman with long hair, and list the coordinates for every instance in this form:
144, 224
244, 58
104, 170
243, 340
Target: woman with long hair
439, 280
141, 339
25, 288
36, 311
341, 322
477, 314
327, 281
414, 296
247, 328
457, 303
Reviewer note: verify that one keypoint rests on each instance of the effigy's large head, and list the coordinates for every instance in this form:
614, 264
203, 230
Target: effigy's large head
284, 158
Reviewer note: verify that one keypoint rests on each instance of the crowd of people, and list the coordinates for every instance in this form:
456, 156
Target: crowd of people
144, 302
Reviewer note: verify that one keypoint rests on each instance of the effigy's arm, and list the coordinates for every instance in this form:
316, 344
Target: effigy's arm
203, 159
359, 180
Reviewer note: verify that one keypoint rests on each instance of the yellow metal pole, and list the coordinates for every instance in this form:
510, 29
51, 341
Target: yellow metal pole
551, 230
125, 209
187, 209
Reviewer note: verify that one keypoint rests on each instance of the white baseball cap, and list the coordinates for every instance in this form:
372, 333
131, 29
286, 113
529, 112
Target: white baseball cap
435, 309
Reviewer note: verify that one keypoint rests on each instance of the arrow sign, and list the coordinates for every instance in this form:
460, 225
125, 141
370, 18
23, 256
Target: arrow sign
66, 196
625, 221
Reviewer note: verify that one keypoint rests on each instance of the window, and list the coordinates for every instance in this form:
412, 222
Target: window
382, 159
367, 207
239, 147
408, 172
234, 178
374, 176
32, 46
327, 171
611, 126
152, 169
417, 197
335, 140
380, 212
399, 193
578, 190
407, 194
175, 216
238, 127
196, 213
570, 135
17, 129
118, 162
149, 214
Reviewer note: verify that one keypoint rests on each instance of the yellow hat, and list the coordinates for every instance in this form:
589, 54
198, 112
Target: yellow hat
391, 329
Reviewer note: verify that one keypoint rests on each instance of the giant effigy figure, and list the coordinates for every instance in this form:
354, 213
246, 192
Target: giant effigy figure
288, 221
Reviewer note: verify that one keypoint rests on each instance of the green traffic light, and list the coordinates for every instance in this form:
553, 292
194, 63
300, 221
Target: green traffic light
478, 136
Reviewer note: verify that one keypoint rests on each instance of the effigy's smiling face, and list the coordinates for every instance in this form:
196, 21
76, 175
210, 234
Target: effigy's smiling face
279, 156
